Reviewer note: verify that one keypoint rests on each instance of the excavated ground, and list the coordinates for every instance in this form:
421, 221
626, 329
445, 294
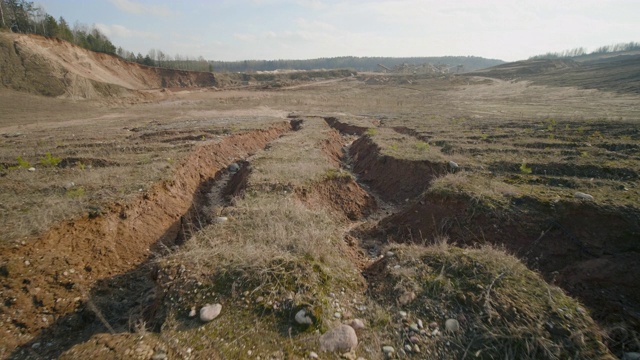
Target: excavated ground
61, 306
589, 250
340, 217
93, 272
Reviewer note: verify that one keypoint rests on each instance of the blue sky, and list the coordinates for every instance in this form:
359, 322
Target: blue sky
304, 29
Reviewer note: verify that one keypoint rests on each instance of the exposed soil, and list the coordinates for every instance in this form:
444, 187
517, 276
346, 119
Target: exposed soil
588, 250
84, 286
55, 282
54, 67
376, 170
344, 195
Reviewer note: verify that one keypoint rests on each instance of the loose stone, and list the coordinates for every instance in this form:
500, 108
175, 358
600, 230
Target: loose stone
583, 196
210, 312
342, 338
357, 324
388, 350
452, 325
302, 318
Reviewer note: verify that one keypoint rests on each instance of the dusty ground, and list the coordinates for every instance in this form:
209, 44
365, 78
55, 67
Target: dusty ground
113, 238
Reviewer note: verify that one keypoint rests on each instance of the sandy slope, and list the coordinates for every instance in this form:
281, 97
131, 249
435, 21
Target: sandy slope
54, 67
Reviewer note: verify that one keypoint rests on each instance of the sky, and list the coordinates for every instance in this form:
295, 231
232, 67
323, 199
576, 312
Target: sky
232, 30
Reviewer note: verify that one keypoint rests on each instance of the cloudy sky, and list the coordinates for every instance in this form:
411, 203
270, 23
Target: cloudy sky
304, 29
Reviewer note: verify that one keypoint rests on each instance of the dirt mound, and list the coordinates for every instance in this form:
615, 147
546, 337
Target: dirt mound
589, 250
480, 303
612, 73
342, 194
53, 67
528, 67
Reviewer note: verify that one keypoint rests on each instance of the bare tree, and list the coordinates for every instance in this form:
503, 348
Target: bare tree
2, 15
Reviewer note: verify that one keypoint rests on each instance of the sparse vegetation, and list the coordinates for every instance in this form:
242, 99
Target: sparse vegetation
271, 240
49, 160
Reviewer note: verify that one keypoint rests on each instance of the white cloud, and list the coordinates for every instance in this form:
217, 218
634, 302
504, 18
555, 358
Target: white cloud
137, 8
244, 37
314, 24
124, 32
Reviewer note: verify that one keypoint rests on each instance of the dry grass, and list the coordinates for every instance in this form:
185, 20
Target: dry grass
504, 309
295, 159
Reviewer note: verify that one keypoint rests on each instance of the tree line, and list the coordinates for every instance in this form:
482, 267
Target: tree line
352, 62
580, 51
23, 16
159, 58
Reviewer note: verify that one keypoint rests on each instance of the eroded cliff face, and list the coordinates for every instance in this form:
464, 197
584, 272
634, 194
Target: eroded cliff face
53, 67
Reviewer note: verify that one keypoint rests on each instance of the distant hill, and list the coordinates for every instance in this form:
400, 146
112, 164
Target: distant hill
619, 72
469, 63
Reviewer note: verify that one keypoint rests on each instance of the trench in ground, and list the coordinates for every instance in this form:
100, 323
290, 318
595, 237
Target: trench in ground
590, 251
121, 298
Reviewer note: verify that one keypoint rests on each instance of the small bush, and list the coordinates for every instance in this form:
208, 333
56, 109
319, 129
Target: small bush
422, 146
372, 131
525, 169
50, 160
75, 193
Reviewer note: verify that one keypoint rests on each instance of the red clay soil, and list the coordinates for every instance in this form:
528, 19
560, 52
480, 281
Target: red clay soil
393, 179
343, 195
50, 276
332, 147
589, 250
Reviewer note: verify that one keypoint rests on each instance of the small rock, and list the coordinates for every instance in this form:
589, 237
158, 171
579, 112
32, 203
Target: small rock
389, 254
32, 169
233, 168
313, 355
69, 185
220, 219
159, 356
631, 356
388, 350
420, 325
357, 324
583, 196
337, 315
416, 349
210, 312
453, 165
408, 348
259, 299
406, 298
302, 318
403, 314
27, 262
452, 325
435, 332
433, 325
414, 328
192, 313
414, 339
341, 338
